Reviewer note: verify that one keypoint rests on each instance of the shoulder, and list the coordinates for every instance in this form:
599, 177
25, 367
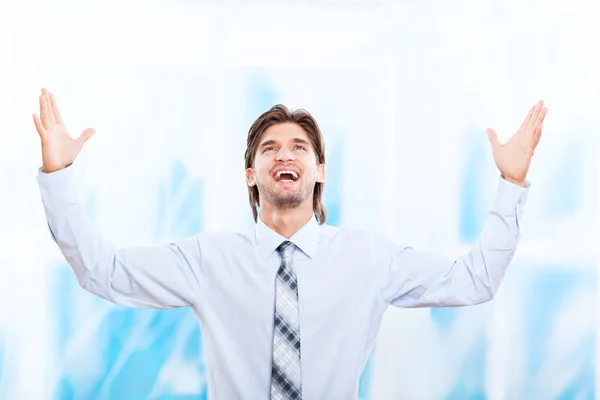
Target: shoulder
231, 239
355, 237
226, 239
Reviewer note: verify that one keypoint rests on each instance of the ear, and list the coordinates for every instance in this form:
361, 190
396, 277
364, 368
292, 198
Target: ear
250, 177
321, 173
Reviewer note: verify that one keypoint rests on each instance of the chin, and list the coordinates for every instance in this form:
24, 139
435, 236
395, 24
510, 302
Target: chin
288, 197
288, 200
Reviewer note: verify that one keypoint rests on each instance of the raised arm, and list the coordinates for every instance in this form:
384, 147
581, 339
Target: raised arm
415, 279
419, 279
149, 277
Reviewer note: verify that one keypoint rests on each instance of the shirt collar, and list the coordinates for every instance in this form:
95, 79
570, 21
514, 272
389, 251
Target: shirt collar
305, 239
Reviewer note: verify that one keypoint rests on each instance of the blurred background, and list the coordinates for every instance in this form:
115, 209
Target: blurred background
403, 91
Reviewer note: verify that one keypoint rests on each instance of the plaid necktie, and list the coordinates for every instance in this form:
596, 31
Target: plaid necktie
286, 381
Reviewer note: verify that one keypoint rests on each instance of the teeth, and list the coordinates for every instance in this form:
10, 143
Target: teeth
293, 173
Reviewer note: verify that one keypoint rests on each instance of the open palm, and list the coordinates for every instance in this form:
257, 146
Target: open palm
59, 150
514, 157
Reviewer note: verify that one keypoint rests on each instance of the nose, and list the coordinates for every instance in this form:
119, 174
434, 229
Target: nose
284, 155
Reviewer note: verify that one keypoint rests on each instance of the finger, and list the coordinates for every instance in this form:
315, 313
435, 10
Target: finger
54, 107
49, 107
537, 136
85, 136
39, 126
534, 116
493, 137
540, 118
44, 112
526, 120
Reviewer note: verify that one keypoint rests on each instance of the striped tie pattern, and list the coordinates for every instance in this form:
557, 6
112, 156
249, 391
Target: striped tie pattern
286, 379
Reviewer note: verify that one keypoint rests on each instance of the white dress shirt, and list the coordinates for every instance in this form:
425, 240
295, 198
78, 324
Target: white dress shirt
346, 280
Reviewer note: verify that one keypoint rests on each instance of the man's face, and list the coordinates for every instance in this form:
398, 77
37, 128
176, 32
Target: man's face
285, 167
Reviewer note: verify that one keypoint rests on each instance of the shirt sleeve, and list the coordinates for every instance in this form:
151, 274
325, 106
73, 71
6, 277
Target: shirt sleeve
164, 276
418, 279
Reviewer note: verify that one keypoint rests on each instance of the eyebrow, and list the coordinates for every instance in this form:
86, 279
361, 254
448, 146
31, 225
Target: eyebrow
267, 143
295, 140
302, 141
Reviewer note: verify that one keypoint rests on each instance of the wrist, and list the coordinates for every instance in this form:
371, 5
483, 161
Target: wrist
51, 170
518, 182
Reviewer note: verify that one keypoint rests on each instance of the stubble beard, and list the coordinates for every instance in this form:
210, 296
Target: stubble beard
286, 200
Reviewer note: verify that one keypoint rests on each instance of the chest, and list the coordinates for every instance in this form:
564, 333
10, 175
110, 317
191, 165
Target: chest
336, 287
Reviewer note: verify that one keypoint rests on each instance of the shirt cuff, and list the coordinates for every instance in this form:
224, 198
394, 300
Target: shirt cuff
511, 198
57, 188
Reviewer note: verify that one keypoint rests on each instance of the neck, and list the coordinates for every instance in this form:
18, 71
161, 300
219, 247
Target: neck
286, 222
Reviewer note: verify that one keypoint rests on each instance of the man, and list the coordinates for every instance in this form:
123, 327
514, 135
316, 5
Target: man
290, 309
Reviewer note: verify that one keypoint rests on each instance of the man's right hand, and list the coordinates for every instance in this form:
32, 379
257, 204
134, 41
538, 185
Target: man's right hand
59, 150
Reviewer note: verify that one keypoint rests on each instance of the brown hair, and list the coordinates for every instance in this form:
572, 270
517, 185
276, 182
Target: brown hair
280, 114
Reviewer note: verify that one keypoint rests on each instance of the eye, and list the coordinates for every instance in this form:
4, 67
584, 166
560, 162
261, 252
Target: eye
268, 149
299, 147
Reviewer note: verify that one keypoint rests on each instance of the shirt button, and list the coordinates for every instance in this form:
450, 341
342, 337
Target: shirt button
520, 201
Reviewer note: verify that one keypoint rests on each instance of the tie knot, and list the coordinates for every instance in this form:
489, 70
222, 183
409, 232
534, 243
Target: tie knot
286, 249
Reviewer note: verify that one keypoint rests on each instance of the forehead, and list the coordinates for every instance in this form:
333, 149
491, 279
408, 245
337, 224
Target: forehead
283, 132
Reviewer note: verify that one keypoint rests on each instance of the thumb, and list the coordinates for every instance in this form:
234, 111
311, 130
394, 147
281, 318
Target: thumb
85, 136
493, 138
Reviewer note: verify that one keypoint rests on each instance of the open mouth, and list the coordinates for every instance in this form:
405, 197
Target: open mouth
286, 176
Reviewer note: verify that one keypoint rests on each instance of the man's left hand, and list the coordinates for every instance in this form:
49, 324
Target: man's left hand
514, 157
